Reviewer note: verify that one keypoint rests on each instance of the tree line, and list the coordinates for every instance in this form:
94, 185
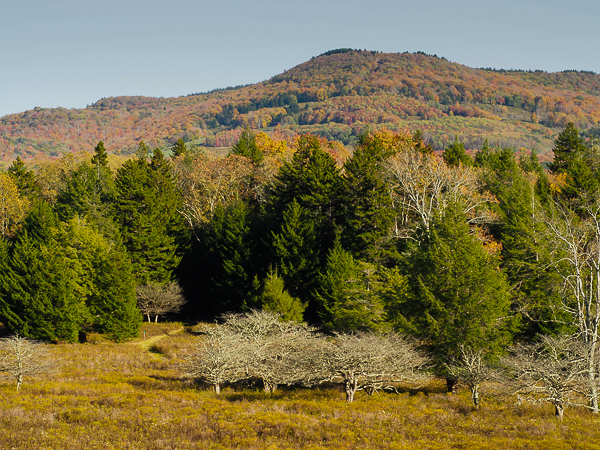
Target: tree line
462, 253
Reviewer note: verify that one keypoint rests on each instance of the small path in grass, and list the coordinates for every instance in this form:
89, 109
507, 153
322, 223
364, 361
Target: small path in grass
147, 343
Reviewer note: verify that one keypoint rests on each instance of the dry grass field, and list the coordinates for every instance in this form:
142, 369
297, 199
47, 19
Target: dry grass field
132, 396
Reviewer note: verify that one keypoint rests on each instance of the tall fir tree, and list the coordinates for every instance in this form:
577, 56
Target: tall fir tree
456, 155
24, 177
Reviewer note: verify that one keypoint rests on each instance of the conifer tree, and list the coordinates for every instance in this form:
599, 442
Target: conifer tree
456, 155
366, 201
24, 178
179, 148
459, 296
246, 146
146, 212
276, 299
348, 294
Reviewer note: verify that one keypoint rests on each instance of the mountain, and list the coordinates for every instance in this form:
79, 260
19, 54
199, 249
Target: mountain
337, 95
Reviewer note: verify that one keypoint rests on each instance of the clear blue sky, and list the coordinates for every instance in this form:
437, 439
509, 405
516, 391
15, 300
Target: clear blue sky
71, 53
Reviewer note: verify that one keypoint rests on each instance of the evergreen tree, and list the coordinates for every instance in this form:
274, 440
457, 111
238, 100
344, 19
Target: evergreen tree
420, 144
100, 157
24, 178
458, 295
456, 155
297, 252
348, 294
226, 263
39, 292
146, 212
276, 299
366, 202
567, 145
246, 146
179, 148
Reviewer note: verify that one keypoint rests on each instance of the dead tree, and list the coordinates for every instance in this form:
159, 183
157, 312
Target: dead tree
157, 300
219, 357
470, 369
368, 361
21, 357
555, 370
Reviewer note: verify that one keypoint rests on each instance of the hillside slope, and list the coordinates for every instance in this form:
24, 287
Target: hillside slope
336, 95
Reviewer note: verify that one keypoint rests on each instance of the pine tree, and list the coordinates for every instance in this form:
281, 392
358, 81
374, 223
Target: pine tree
567, 145
366, 202
146, 212
276, 299
348, 294
24, 178
456, 155
246, 146
180, 148
458, 295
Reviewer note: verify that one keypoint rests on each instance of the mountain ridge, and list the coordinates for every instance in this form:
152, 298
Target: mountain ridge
337, 95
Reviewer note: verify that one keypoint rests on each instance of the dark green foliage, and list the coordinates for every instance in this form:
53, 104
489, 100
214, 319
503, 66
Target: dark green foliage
456, 155
567, 145
39, 292
100, 157
246, 146
180, 148
297, 251
24, 178
366, 202
458, 293
146, 210
224, 261
348, 294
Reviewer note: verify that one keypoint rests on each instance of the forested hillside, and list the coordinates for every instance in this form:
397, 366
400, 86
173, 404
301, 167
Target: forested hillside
335, 95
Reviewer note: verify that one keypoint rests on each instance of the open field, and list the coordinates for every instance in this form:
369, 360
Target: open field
132, 396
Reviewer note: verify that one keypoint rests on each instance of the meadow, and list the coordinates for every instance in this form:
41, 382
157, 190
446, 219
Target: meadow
133, 396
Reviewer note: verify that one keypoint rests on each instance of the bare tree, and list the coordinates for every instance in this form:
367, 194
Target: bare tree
218, 358
576, 258
276, 349
368, 361
470, 369
157, 299
555, 370
423, 185
21, 357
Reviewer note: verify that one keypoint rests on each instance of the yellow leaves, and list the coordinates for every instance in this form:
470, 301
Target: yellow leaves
13, 207
395, 141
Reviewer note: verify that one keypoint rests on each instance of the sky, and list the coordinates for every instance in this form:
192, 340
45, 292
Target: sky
71, 53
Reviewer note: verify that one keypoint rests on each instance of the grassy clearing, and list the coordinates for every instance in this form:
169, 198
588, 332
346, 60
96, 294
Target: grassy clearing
126, 396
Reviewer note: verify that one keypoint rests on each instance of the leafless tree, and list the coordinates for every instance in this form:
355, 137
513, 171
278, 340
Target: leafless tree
21, 357
555, 370
157, 300
368, 361
470, 369
423, 185
277, 350
575, 240
218, 358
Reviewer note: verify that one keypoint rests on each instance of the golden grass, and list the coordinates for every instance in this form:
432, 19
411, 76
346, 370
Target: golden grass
127, 396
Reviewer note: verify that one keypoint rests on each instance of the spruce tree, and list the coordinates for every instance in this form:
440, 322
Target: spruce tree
459, 296
24, 178
366, 202
179, 148
246, 146
456, 155
276, 299
146, 212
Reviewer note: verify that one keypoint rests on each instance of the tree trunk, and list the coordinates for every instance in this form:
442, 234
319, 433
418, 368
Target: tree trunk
19, 381
217, 387
475, 395
559, 411
452, 385
351, 388
148, 315
269, 386
156, 319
